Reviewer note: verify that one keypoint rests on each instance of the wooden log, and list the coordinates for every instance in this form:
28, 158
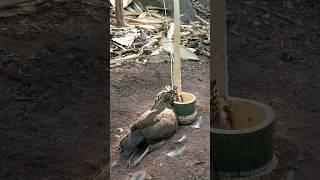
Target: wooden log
120, 13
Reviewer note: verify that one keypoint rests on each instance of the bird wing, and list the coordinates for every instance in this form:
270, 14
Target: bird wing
165, 125
146, 119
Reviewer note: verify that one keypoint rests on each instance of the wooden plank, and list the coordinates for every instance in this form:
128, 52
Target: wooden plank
218, 64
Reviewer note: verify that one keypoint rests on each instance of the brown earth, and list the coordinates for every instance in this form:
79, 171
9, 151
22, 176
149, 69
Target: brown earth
276, 61
53, 92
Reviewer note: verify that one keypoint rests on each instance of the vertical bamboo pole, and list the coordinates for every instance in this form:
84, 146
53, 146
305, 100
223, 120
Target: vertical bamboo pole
119, 13
177, 56
218, 64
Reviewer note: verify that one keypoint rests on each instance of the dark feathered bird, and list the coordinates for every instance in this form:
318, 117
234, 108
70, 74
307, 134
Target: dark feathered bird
153, 127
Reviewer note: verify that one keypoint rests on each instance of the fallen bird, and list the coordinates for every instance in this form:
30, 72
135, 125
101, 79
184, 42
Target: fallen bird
153, 127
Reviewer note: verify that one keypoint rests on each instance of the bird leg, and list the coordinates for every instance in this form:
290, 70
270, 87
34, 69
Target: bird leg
149, 149
128, 162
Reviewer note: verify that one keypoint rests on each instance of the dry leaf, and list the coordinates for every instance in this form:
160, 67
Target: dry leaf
128, 39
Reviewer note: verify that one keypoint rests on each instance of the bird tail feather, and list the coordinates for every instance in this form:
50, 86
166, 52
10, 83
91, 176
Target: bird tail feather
131, 141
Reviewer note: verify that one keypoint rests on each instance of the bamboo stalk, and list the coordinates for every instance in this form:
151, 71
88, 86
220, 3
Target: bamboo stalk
218, 65
177, 56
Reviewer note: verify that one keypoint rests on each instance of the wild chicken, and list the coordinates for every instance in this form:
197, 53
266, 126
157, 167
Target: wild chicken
153, 127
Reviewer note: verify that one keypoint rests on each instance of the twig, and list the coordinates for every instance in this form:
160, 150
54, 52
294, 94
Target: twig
120, 46
203, 12
199, 7
204, 52
202, 20
274, 13
125, 51
153, 40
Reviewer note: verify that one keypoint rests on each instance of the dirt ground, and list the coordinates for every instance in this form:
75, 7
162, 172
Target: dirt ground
275, 61
133, 88
53, 92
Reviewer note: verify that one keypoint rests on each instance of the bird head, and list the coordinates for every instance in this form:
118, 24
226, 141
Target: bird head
168, 94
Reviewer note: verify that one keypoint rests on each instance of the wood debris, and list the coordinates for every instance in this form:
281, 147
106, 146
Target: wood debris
125, 3
148, 32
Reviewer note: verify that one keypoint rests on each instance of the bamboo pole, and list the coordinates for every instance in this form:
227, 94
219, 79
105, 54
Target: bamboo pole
119, 13
177, 56
218, 64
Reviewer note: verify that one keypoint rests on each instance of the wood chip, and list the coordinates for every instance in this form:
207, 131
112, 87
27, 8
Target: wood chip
147, 20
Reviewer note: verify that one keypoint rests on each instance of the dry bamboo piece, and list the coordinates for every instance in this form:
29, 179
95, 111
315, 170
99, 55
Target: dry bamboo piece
177, 58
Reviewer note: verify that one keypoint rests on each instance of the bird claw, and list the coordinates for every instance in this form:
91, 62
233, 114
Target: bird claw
129, 165
136, 162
